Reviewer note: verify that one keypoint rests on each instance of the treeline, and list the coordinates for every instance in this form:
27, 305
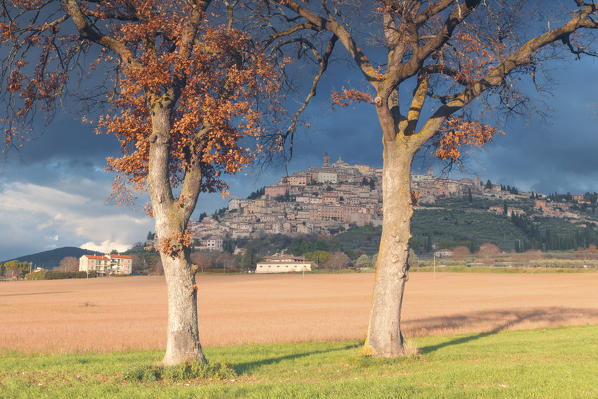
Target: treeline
547, 239
15, 269
58, 275
568, 197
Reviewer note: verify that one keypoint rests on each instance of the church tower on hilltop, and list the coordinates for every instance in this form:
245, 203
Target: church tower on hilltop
326, 160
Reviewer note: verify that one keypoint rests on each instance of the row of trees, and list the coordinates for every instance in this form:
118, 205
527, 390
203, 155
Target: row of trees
208, 261
193, 81
15, 269
547, 239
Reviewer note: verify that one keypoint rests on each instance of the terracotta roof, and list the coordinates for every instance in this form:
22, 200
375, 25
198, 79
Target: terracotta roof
121, 256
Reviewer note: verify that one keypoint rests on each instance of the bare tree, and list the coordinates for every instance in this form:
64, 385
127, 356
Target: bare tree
338, 260
202, 260
68, 264
424, 64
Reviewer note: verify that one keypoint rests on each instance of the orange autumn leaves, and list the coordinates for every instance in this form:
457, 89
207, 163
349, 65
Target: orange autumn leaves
457, 132
218, 81
171, 246
347, 97
469, 57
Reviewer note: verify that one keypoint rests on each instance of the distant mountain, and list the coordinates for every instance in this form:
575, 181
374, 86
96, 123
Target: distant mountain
52, 258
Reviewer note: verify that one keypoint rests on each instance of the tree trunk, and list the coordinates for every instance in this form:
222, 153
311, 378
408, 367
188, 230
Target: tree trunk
171, 218
182, 343
384, 336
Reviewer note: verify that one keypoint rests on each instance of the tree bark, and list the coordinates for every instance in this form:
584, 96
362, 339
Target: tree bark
171, 218
384, 336
182, 343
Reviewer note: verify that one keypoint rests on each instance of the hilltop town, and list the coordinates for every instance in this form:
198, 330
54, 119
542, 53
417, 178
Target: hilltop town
337, 196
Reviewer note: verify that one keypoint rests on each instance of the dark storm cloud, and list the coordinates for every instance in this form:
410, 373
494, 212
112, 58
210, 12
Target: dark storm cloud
67, 139
559, 152
67, 163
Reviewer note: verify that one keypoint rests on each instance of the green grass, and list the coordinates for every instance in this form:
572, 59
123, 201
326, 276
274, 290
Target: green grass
544, 363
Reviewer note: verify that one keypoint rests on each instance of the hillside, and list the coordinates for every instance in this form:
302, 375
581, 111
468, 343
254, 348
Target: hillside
446, 224
52, 258
338, 206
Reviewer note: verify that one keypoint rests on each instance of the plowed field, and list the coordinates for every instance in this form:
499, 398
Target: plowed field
108, 314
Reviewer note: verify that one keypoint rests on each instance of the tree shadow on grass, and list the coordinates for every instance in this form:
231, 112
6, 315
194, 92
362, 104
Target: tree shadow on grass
247, 367
503, 320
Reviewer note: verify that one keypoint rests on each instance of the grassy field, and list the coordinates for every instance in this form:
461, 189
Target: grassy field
116, 314
541, 363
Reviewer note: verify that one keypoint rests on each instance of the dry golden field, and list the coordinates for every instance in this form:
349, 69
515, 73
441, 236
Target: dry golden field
108, 314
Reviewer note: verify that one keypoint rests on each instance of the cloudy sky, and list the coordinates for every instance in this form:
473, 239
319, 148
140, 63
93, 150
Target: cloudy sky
53, 193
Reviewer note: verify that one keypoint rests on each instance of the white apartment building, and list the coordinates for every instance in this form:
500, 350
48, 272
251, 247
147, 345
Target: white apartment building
284, 264
106, 264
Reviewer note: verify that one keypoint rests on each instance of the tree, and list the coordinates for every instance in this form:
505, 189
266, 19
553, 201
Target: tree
227, 261
69, 264
14, 268
363, 261
182, 94
461, 252
319, 257
201, 259
412, 259
372, 184
446, 53
487, 251
338, 260
137, 263
248, 259
156, 268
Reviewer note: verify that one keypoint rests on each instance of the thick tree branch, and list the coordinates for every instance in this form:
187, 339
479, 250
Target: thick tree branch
417, 103
190, 32
494, 78
433, 9
90, 32
191, 186
343, 35
411, 68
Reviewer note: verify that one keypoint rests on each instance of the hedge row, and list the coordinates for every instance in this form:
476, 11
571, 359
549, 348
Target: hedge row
56, 275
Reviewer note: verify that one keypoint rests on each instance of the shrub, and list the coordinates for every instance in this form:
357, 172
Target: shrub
56, 275
181, 372
198, 369
143, 374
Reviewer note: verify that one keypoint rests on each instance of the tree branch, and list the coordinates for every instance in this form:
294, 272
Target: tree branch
90, 32
495, 77
323, 61
343, 35
417, 103
394, 78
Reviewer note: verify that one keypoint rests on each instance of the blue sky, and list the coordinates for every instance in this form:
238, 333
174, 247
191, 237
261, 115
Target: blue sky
53, 193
